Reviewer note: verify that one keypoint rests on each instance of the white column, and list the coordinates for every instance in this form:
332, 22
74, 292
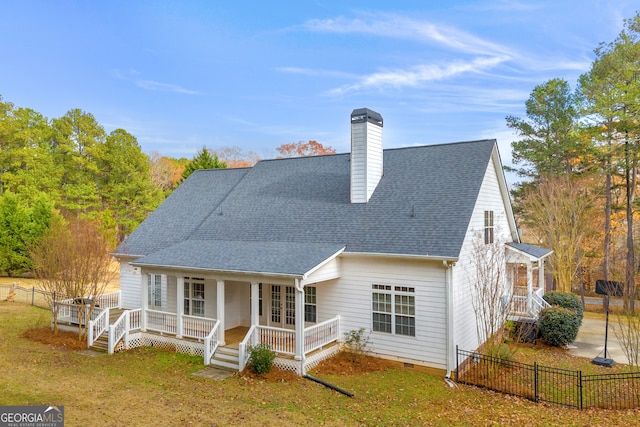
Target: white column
255, 303
220, 309
541, 275
529, 286
179, 304
144, 288
299, 321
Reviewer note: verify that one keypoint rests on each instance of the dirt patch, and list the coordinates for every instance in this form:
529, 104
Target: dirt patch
275, 375
63, 339
344, 363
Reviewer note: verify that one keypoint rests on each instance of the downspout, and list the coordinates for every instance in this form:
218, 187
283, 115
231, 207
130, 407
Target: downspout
448, 273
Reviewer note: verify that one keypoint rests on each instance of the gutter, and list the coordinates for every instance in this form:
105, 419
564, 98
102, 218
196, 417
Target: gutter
205, 270
448, 280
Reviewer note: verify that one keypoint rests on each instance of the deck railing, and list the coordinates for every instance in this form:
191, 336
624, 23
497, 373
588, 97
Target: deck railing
127, 322
249, 340
280, 340
96, 327
197, 327
111, 300
161, 321
211, 342
321, 334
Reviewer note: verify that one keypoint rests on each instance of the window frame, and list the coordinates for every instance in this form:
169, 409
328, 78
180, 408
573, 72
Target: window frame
393, 309
489, 227
310, 304
194, 297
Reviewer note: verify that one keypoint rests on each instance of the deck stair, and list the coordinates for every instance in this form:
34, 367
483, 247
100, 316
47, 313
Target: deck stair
102, 343
226, 358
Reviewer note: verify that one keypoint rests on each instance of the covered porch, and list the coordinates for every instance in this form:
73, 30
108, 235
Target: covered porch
526, 274
229, 296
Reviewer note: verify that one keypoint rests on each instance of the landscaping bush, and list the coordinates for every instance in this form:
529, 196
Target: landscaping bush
357, 342
566, 300
261, 358
558, 325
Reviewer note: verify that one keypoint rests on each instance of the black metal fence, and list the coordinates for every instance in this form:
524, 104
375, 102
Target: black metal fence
545, 384
31, 296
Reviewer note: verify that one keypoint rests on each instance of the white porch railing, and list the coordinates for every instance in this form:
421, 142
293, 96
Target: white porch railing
69, 312
211, 342
96, 327
127, 322
111, 300
321, 334
283, 341
538, 304
523, 303
197, 327
161, 321
249, 340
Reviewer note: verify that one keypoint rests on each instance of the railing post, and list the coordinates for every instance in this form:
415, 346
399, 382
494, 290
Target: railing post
90, 334
111, 335
127, 327
580, 388
33, 293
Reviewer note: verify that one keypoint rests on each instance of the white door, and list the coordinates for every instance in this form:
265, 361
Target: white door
154, 291
283, 306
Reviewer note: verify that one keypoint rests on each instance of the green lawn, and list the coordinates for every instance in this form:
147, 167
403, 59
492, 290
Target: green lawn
150, 387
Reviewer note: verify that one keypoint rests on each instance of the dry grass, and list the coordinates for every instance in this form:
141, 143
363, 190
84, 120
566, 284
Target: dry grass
152, 387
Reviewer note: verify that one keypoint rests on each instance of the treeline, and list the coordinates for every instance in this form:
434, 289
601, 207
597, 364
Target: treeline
578, 153
68, 167
68, 171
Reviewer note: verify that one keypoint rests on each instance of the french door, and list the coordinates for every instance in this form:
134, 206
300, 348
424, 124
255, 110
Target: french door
154, 291
283, 306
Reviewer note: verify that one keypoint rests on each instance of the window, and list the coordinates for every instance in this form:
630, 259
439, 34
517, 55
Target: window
276, 308
393, 309
154, 290
310, 308
194, 296
488, 227
290, 305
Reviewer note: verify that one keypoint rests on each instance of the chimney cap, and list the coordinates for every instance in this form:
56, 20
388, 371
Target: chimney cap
362, 115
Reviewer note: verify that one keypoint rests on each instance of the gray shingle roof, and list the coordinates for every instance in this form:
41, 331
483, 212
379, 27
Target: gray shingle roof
421, 206
534, 251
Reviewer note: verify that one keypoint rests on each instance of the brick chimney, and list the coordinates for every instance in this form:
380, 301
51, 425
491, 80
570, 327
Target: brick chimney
366, 153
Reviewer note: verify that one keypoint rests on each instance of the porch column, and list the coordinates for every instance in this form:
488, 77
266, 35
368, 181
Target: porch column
541, 275
179, 304
220, 309
529, 286
255, 303
299, 321
144, 283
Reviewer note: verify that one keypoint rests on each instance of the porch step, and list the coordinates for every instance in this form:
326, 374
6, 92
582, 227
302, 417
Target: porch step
227, 358
101, 344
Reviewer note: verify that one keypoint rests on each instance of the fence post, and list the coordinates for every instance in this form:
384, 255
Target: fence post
580, 388
33, 291
457, 366
535, 381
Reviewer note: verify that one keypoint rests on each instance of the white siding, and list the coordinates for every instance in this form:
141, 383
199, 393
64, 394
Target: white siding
366, 160
237, 308
489, 199
130, 282
330, 270
351, 296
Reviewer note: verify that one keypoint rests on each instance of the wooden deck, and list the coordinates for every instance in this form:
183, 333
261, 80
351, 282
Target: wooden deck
234, 336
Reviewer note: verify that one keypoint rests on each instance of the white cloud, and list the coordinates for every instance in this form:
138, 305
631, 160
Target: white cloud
132, 76
419, 74
398, 26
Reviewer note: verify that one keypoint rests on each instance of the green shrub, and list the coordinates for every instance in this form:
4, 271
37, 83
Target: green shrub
566, 300
558, 325
261, 358
357, 342
501, 351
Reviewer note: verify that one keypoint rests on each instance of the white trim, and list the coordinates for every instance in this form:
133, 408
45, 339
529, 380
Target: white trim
323, 263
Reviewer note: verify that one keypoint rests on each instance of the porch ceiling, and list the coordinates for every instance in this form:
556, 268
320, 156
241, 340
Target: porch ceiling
285, 258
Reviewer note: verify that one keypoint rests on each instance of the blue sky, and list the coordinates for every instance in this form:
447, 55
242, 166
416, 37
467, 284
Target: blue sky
258, 74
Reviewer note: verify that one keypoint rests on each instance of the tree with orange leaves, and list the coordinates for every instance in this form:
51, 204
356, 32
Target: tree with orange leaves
304, 149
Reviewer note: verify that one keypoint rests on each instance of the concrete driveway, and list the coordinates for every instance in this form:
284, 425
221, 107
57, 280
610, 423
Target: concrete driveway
590, 341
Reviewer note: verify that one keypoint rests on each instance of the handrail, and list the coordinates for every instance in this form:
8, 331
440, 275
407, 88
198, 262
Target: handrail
118, 330
243, 354
211, 342
196, 326
97, 326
